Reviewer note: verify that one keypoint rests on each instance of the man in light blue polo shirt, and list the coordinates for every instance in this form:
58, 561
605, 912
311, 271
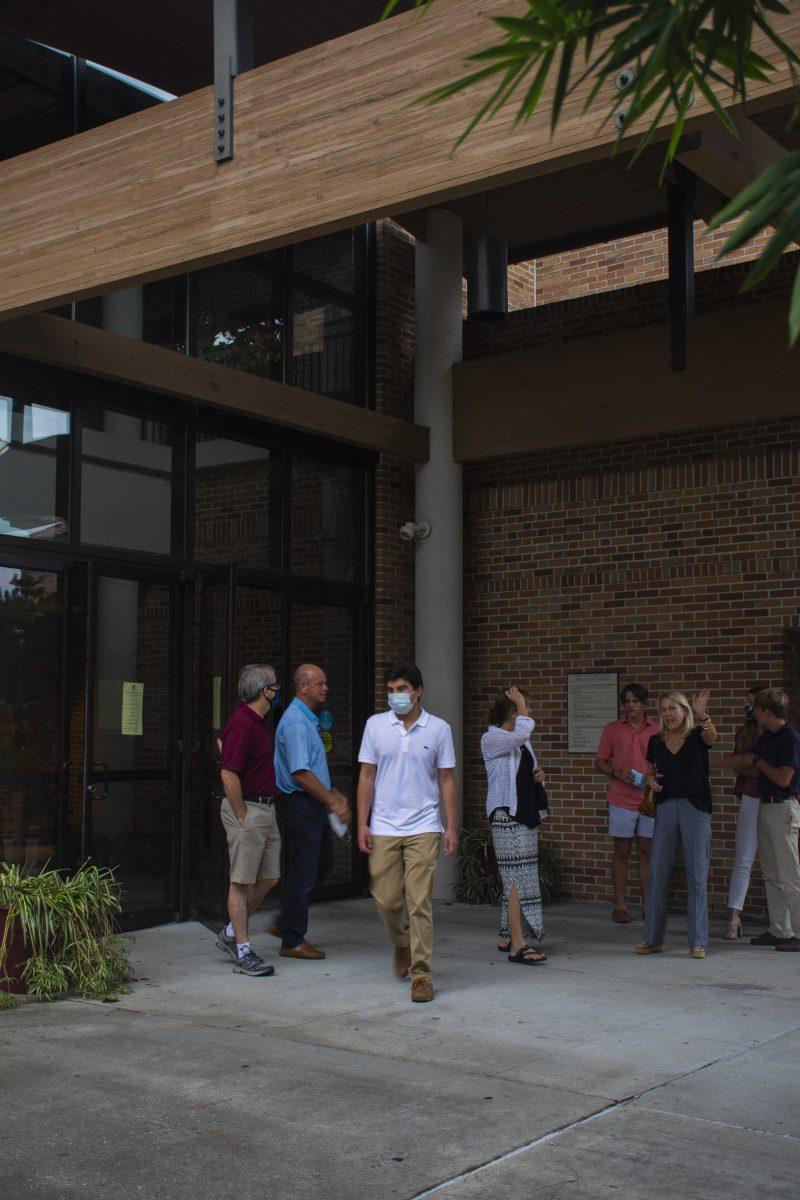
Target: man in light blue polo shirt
301, 770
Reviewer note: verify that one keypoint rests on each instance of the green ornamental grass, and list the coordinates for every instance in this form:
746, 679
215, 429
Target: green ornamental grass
68, 923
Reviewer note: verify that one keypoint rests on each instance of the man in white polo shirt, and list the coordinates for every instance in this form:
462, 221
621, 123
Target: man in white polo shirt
407, 762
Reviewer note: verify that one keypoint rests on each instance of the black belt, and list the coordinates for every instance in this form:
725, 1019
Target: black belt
263, 800
774, 799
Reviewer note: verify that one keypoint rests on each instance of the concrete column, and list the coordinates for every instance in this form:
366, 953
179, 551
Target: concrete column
123, 312
439, 558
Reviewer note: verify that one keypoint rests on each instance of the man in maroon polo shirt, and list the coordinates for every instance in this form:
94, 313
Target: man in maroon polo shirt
622, 757
248, 813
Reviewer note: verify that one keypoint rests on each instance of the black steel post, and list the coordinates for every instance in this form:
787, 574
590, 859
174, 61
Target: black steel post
680, 226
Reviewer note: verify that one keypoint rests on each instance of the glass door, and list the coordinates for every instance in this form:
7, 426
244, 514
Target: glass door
240, 622
130, 775
214, 606
33, 721
242, 618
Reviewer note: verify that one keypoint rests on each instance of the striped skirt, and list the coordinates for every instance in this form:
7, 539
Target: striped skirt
516, 849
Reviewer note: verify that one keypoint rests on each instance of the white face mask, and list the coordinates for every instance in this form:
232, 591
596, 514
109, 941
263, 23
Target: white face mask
401, 702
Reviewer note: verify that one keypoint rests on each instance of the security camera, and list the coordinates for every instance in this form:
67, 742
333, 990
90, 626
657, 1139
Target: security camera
411, 531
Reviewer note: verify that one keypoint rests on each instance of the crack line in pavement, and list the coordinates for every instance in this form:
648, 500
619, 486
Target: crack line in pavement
501, 1158
668, 1112
603, 1112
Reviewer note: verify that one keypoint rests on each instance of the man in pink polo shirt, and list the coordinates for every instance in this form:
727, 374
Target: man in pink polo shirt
622, 756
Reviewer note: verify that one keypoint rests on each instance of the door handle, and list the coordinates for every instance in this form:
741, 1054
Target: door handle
92, 789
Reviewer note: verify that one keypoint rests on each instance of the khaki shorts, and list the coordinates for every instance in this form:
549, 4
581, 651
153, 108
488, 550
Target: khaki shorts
254, 848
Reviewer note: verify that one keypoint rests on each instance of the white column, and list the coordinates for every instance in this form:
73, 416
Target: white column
439, 558
123, 312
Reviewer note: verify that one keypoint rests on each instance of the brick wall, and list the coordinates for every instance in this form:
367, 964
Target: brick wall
671, 560
624, 262
522, 285
594, 313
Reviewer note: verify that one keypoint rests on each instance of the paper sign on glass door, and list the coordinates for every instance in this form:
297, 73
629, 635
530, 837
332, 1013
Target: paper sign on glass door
132, 702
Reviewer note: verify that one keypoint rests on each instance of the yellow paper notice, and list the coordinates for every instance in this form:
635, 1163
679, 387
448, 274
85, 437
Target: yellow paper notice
132, 702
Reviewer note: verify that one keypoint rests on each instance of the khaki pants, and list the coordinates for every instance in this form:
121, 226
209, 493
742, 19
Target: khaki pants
401, 880
777, 852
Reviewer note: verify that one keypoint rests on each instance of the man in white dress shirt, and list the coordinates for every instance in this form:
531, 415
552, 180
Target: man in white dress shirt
407, 762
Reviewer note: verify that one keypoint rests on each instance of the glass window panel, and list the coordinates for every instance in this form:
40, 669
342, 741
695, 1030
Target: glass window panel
90, 312
36, 86
130, 816
164, 314
236, 502
31, 610
330, 260
238, 319
126, 482
107, 98
322, 541
323, 635
34, 458
323, 344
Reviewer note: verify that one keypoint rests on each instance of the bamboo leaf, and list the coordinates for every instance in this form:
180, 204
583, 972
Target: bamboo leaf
794, 310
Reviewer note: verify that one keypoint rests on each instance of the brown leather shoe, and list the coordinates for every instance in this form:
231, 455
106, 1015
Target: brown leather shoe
402, 961
791, 943
621, 916
421, 989
304, 950
764, 939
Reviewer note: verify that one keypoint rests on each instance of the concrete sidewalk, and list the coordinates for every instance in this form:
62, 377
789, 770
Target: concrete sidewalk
600, 1074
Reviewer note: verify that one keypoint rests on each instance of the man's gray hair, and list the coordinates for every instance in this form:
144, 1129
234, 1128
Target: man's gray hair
253, 679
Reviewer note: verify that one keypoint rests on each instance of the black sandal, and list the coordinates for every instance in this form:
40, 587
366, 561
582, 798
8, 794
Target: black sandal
504, 949
519, 957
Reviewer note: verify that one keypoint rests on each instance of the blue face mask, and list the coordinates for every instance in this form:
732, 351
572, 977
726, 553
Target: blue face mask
400, 702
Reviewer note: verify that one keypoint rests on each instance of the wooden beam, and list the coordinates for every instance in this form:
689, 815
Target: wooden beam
727, 163
620, 386
77, 347
707, 200
325, 139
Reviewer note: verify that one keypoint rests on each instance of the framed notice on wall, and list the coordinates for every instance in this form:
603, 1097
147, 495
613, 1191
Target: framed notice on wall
591, 704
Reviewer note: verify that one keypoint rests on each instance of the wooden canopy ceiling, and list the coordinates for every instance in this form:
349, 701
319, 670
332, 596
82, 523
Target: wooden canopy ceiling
168, 43
325, 139
581, 205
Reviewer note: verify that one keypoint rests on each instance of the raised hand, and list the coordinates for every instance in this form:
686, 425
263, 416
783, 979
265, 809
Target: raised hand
700, 703
518, 700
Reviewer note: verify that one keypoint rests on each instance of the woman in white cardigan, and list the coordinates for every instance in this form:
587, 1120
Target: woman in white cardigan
512, 770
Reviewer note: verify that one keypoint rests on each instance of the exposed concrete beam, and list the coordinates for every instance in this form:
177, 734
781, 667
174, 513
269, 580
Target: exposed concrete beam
325, 139
83, 348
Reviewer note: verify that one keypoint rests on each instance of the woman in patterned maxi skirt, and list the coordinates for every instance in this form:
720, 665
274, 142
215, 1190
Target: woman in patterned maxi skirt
511, 805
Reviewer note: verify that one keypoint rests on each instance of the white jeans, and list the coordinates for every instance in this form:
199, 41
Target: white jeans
744, 856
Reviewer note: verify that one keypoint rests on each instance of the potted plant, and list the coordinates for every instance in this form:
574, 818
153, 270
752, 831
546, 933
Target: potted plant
479, 881
58, 934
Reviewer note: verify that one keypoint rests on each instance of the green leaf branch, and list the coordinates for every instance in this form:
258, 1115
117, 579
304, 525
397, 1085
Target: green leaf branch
671, 51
